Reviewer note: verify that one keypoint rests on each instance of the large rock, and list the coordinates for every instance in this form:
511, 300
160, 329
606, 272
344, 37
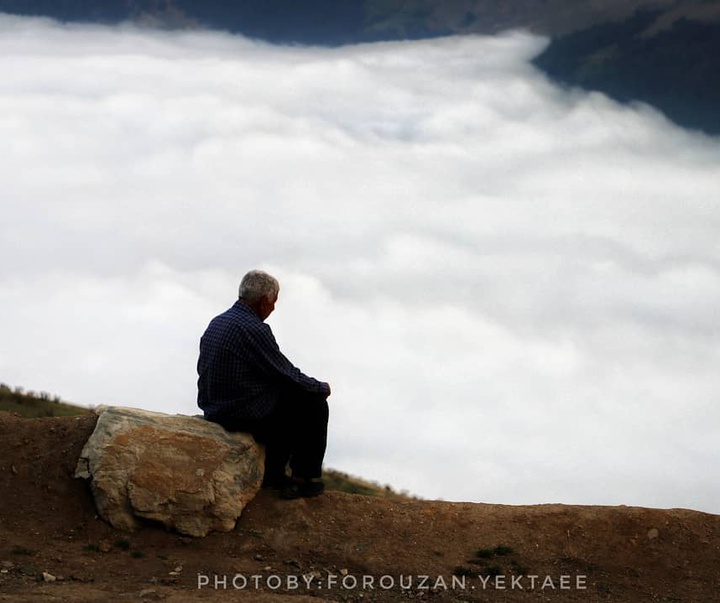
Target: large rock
184, 472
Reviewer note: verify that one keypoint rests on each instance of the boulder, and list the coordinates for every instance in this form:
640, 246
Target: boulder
184, 472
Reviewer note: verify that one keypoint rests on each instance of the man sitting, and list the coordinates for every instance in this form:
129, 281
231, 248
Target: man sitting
247, 384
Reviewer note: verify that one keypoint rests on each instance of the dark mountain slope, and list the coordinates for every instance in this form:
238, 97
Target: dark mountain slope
672, 69
662, 52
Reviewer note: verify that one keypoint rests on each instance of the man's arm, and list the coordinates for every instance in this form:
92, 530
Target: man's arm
275, 364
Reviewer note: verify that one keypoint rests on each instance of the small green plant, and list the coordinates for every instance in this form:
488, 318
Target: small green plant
137, 554
498, 551
485, 553
122, 544
21, 550
483, 557
92, 547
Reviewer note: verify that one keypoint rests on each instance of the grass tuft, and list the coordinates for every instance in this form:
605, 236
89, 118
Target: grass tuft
122, 544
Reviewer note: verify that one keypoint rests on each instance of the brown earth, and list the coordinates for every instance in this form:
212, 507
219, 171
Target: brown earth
350, 548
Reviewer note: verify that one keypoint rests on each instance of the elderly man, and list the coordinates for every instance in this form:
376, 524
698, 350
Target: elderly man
246, 384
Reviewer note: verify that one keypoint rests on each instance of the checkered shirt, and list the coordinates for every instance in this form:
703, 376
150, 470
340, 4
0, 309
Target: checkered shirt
241, 370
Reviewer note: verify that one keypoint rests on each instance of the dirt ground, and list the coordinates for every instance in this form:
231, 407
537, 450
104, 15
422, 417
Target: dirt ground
337, 547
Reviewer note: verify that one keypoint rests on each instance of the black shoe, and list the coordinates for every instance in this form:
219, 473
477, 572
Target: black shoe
304, 489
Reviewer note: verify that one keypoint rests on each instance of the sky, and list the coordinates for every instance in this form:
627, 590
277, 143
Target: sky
511, 287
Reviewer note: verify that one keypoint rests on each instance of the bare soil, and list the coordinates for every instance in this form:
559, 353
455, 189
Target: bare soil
336, 547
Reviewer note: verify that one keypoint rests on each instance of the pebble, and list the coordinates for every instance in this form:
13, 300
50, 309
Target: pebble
149, 593
48, 577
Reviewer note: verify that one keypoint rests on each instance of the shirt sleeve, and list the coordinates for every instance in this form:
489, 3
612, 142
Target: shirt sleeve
277, 367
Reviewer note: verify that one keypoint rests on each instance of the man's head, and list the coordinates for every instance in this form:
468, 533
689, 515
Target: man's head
260, 291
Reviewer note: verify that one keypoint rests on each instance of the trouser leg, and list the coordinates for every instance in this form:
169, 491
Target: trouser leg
295, 432
277, 447
307, 430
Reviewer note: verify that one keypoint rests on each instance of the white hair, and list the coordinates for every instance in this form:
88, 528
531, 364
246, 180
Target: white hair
256, 285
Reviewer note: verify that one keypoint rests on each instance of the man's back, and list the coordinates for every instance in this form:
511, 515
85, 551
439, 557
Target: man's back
242, 371
230, 380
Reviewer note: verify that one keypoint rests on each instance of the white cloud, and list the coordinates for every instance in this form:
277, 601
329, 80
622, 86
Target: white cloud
511, 287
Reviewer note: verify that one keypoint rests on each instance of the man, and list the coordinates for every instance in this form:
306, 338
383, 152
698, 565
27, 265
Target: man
246, 384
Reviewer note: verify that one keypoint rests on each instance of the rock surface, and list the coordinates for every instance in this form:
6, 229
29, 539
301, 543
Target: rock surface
184, 472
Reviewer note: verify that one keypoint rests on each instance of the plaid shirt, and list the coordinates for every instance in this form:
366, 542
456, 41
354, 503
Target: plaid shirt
241, 369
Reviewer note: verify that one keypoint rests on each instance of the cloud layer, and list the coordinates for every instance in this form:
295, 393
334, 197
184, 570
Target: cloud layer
511, 287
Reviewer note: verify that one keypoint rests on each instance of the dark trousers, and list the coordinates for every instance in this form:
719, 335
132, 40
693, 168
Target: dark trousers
295, 432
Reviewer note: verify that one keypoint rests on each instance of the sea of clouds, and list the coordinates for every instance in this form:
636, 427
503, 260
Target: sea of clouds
511, 287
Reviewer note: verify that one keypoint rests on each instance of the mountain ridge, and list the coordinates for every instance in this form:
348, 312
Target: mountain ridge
350, 21
668, 62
